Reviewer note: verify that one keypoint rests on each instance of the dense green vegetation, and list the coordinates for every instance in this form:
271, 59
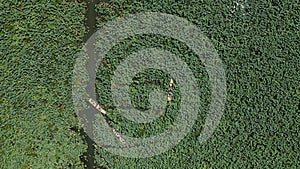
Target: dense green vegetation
258, 43
39, 43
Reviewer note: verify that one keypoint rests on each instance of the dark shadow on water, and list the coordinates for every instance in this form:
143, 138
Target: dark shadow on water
91, 16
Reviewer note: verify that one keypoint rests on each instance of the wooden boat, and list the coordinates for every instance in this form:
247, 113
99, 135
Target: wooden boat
97, 106
100, 109
119, 136
170, 90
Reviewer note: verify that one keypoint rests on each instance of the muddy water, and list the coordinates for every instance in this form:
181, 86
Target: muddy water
88, 157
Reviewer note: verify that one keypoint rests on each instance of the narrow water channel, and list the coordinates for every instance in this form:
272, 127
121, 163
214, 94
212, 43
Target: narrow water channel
88, 157
91, 16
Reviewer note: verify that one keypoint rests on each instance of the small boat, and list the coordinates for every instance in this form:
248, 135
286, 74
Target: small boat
100, 109
170, 90
119, 136
97, 106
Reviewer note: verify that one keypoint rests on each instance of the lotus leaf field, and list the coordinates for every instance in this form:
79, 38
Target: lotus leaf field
258, 42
